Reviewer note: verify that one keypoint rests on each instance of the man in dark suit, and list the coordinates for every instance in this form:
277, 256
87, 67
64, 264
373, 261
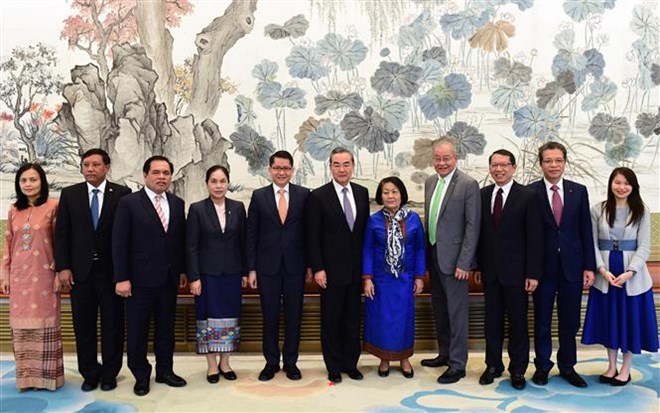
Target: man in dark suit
83, 259
277, 262
452, 208
148, 243
509, 257
337, 214
568, 264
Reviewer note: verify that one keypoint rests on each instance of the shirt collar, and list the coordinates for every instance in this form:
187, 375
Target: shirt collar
101, 187
559, 184
506, 187
340, 188
448, 177
276, 189
152, 195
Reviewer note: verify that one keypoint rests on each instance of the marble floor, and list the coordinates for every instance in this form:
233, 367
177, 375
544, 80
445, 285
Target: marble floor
315, 394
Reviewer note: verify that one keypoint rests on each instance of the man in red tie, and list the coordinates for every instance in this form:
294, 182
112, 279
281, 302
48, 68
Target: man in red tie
509, 257
568, 264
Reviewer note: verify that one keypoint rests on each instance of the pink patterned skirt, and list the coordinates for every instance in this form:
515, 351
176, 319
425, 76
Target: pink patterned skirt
38, 354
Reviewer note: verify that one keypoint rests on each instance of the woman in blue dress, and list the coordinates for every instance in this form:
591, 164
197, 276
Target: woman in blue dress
620, 312
393, 272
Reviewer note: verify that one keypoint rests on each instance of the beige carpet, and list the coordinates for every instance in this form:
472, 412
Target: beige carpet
315, 394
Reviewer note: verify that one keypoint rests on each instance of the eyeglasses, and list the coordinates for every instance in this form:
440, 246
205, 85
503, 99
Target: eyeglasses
281, 168
500, 165
445, 159
558, 161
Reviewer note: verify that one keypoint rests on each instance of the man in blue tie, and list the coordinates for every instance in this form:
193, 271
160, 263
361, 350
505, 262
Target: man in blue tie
337, 214
569, 263
83, 258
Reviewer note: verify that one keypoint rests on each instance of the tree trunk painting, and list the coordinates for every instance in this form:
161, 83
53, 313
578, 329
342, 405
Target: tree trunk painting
212, 44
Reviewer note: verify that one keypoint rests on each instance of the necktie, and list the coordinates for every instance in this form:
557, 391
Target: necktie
281, 205
435, 209
160, 212
95, 208
557, 206
348, 211
497, 207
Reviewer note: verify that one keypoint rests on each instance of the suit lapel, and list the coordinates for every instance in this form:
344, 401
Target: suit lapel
109, 199
82, 199
150, 209
333, 200
547, 210
448, 193
271, 205
569, 201
510, 199
212, 215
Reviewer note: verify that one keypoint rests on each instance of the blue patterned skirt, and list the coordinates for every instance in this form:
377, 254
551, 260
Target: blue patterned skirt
218, 311
619, 321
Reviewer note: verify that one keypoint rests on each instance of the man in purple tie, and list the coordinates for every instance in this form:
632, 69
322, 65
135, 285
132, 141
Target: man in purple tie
337, 214
509, 257
568, 264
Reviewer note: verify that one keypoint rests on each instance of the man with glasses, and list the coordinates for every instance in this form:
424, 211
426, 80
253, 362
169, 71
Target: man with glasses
277, 262
568, 264
452, 209
337, 216
510, 266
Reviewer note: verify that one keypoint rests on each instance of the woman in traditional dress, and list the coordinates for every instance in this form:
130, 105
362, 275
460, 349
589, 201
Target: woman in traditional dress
393, 270
28, 276
620, 311
217, 269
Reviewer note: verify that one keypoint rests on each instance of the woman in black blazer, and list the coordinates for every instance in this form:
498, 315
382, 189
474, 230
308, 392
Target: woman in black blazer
216, 258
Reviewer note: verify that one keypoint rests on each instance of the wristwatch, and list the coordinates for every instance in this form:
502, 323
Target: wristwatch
633, 272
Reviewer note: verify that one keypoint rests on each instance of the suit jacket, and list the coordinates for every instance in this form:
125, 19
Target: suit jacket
269, 242
143, 252
76, 241
513, 251
331, 244
208, 249
457, 231
570, 244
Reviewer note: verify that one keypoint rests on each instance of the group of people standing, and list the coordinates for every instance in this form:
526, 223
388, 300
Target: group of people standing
124, 255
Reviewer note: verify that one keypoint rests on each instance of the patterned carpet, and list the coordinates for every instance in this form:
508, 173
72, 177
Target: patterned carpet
315, 394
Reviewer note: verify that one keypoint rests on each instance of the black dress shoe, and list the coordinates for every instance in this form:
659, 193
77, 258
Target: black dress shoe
213, 378
109, 384
171, 380
618, 383
228, 375
540, 377
141, 388
269, 372
435, 362
605, 379
451, 376
334, 377
408, 374
355, 374
518, 381
384, 373
89, 384
490, 374
292, 372
573, 378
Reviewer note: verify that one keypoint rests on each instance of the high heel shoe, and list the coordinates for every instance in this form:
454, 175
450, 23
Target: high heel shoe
618, 383
408, 374
384, 373
213, 378
228, 375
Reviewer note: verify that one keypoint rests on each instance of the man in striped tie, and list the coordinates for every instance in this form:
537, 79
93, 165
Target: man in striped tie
148, 245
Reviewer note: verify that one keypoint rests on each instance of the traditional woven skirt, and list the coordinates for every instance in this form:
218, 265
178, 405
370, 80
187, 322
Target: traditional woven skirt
389, 319
38, 354
218, 311
619, 321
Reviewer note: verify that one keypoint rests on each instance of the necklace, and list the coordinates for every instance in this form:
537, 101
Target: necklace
27, 232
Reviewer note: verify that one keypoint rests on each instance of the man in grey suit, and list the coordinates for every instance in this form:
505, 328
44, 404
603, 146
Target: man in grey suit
452, 210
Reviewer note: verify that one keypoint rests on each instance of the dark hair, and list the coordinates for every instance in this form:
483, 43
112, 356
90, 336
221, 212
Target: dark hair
96, 151
396, 182
282, 155
214, 168
635, 202
549, 146
22, 201
147, 164
503, 152
339, 150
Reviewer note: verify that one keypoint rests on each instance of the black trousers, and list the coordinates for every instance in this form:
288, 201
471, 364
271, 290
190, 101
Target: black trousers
276, 291
512, 301
340, 327
140, 306
88, 298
